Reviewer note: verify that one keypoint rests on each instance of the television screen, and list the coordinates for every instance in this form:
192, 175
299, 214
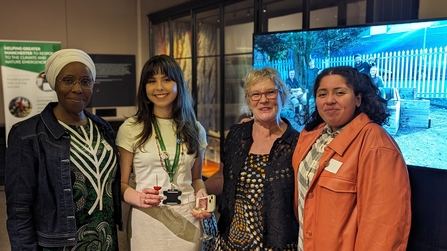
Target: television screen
407, 60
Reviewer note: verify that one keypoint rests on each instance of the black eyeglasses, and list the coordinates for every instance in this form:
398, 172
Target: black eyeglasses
69, 82
256, 96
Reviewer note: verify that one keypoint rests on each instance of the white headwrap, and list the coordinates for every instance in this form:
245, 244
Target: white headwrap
61, 58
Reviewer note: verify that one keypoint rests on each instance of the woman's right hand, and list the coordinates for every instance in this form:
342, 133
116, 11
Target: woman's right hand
150, 198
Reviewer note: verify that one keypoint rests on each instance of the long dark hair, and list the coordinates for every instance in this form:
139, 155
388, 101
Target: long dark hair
182, 112
372, 104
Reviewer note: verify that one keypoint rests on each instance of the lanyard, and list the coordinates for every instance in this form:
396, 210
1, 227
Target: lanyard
164, 155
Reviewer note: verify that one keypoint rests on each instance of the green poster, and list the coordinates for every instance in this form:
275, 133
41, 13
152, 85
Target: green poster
29, 56
25, 89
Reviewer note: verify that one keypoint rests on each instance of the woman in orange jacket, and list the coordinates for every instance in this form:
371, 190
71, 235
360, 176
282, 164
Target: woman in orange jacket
353, 189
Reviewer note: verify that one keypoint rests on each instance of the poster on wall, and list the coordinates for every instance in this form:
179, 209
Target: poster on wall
26, 91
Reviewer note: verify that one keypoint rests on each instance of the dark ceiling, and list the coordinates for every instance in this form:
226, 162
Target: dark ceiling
241, 11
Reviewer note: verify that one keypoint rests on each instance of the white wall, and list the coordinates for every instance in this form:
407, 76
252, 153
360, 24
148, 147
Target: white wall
95, 26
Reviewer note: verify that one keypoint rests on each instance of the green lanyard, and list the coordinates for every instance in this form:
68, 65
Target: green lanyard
169, 169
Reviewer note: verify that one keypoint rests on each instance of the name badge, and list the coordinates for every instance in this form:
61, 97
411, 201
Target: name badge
333, 166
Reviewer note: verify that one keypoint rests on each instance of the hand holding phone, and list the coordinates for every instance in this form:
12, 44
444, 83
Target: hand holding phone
207, 203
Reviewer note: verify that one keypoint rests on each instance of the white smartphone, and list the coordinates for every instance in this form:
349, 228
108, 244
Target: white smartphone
207, 203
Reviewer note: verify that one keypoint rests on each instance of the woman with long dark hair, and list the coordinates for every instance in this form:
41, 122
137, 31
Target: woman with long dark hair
163, 145
353, 190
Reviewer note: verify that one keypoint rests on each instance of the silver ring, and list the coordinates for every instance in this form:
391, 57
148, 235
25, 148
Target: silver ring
144, 201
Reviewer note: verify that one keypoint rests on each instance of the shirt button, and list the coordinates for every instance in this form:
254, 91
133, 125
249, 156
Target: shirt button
309, 233
310, 195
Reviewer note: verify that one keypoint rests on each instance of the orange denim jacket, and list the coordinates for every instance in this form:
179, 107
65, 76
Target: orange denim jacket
365, 204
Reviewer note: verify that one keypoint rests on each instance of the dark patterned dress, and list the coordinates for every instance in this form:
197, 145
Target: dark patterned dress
247, 227
256, 208
93, 168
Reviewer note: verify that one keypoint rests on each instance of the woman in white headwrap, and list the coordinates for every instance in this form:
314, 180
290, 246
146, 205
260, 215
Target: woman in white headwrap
62, 185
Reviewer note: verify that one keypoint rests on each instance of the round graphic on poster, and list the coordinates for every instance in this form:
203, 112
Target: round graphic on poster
42, 83
20, 107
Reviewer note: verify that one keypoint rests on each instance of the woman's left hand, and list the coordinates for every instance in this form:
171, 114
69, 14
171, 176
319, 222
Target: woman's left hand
201, 214
198, 212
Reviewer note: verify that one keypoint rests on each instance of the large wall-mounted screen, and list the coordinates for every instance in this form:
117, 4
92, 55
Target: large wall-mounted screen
407, 60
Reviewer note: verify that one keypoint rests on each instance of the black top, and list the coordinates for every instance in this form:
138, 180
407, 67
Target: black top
363, 67
292, 83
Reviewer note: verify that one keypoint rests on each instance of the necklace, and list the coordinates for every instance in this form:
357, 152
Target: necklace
164, 155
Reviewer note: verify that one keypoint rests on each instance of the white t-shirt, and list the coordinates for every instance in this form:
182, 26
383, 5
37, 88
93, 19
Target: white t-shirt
146, 163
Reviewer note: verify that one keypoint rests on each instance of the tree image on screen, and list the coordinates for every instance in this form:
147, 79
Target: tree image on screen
406, 61
300, 48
